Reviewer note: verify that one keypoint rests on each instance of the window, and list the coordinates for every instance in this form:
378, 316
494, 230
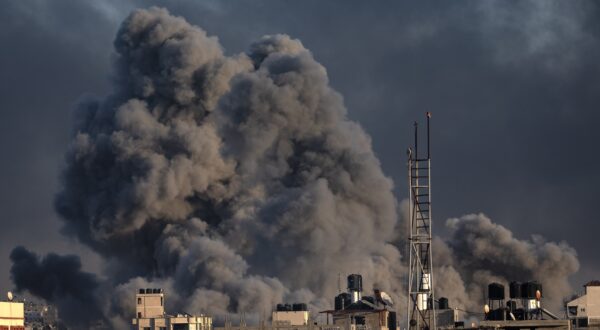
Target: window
161, 301
139, 301
572, 310
139, 315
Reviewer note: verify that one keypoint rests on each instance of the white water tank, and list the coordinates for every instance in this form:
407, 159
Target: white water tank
426, 281
422, 301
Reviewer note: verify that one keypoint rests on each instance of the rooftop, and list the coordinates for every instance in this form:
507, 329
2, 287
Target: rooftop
593, 283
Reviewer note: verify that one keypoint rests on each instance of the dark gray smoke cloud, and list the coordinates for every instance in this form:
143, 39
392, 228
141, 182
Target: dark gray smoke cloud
236, 182
480, 252
60, 280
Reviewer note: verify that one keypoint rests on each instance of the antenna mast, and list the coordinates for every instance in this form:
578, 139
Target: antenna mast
421, 298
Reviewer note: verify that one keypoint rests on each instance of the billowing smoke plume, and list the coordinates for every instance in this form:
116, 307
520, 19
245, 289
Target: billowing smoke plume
234, 182
58, 279
480, 252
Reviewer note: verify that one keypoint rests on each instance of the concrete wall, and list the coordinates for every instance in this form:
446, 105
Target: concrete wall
173, 322
593, 301
290, 318
149, 305
373, 320
12, 314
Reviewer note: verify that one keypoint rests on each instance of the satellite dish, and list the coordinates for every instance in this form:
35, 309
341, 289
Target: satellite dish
9, 295
386, 299
538, 295
486, 308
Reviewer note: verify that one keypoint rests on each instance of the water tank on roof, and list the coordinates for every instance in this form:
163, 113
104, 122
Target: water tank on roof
148, 290
142, 291
496, 291
288, 307
280, 307
300, 307
528, 289
443, 303
514, 289
338, 302
355, 282
342, 301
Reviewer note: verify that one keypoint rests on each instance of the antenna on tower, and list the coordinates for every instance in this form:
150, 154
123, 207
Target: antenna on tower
421, 297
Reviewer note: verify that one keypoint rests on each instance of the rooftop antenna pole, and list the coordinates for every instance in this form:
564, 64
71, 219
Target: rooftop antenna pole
421, 298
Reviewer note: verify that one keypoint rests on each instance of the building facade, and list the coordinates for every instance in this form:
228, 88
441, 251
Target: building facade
584, 311
150, 314
12, 315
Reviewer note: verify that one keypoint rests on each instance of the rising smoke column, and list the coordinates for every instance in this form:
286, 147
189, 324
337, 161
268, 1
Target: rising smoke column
58, 279
234, 182
480, 252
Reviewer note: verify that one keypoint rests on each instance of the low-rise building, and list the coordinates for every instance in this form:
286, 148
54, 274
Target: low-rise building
12, 315
584, 311
286, 316
150, 314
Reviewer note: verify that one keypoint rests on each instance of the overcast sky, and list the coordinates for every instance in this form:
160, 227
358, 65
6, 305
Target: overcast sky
514, 88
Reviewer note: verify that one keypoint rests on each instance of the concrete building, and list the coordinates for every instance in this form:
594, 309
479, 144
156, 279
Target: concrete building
363, 315
295, 318
150, 314
12, 315
283, 319
584, 311
448, 318
353, 311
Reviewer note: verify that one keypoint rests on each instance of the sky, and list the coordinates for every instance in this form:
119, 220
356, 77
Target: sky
513, 87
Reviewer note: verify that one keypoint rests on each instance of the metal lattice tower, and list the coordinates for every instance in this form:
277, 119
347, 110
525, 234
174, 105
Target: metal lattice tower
421, 298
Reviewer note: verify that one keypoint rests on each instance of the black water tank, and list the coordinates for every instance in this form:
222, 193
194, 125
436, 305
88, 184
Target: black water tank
514, 289
391, 321
300, 307
354, 282
528, 289
287, 307
280, 307
148, 290
443, 303
142, 291
338, 302
347, 299
496, 291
